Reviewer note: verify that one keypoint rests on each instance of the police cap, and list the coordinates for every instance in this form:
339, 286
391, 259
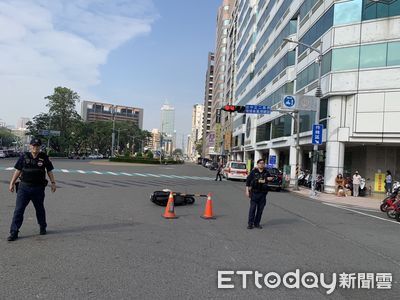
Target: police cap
36, 142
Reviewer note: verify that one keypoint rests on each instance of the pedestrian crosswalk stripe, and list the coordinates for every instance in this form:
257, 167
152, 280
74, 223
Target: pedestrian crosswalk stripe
122, 174
152, 175
127, 174
138, 174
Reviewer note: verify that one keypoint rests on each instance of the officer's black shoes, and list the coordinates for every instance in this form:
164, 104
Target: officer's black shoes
250, 227
13, 236
43, 231
258, 226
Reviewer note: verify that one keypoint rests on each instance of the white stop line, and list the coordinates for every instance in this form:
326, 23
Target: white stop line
360, 213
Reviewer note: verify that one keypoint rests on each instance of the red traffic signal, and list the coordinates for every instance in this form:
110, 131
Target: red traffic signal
233, 108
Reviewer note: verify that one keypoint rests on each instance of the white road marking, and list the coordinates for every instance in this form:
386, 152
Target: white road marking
112, 173
361, 213
152, 175
138, 174
64, 171
97, 172
81, 171
126, 174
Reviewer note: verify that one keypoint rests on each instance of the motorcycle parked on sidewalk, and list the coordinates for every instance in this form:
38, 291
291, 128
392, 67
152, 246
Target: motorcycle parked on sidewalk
393, 210
389, 200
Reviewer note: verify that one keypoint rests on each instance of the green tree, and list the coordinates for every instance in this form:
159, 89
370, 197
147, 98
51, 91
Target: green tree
7, 138
199, 146
62, 117
177, 152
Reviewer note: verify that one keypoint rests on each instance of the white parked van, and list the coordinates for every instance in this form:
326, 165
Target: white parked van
235, 170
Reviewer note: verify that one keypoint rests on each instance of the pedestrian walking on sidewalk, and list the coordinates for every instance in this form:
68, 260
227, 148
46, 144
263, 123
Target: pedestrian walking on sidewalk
219, 170
356, 184
31, 168
388, 182
257, 190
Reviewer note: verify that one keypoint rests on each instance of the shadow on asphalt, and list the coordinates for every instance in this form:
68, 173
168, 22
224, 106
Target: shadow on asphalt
88, 228
275, 222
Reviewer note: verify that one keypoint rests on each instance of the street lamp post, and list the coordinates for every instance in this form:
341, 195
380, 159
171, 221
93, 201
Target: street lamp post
318, 94
113, 133
48, 140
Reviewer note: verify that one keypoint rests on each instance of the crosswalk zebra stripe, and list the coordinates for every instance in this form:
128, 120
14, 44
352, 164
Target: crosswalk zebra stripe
138, 174
152, 175
126, 174
169, 176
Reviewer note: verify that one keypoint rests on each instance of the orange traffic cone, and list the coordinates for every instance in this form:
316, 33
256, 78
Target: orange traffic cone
170, 209
208, 212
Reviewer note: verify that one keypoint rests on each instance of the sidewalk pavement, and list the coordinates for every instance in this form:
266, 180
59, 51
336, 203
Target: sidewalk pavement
370, 202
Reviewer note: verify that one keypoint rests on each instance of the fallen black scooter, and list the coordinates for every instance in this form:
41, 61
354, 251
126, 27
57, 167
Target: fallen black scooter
161, 198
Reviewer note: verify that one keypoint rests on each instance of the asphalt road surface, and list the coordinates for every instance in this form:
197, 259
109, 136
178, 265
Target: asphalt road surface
106, 240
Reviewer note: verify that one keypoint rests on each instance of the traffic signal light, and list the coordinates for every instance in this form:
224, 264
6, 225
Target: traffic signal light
233, 108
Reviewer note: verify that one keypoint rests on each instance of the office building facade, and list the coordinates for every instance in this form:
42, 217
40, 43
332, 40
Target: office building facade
98, 111
224, 20
208, 93
360, 71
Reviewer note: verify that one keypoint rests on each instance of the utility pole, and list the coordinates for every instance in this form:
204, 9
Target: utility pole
48, 140
113, 133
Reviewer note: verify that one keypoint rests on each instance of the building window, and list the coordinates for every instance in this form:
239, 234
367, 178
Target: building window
226, 7
373, 55
263, 132
281, 126
393, 58
226, 22
345, 58
347, 12
382, 9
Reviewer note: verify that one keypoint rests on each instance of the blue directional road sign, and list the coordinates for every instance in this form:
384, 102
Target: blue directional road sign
317, 134
258, 109
289, 101
45, 132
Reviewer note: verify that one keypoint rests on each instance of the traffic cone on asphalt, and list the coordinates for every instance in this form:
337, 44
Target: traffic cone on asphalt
208, 212
170, 209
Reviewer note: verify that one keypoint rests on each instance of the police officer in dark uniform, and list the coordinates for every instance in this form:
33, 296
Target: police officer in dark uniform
256, 190
31, 169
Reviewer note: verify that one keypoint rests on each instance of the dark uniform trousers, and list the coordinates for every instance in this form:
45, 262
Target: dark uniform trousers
257, 204
25, 194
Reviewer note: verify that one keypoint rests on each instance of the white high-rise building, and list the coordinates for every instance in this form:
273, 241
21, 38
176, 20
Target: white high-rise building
168, 127
197, 129
359, 42
21, 124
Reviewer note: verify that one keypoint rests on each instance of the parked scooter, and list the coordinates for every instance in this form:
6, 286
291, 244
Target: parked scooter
389, 200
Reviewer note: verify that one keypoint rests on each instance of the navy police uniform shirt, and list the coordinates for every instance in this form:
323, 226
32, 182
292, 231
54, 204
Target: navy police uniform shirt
34, 169
256, 175
41, 159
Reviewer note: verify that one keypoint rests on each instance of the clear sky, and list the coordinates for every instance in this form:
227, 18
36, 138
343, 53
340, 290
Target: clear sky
131, 52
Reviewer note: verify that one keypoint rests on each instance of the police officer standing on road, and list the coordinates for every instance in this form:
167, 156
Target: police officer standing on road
256, 190
31, 169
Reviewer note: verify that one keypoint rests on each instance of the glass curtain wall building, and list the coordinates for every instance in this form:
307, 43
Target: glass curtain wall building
360, 42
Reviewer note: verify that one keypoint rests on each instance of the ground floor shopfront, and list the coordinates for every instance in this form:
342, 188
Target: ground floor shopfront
345, 158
